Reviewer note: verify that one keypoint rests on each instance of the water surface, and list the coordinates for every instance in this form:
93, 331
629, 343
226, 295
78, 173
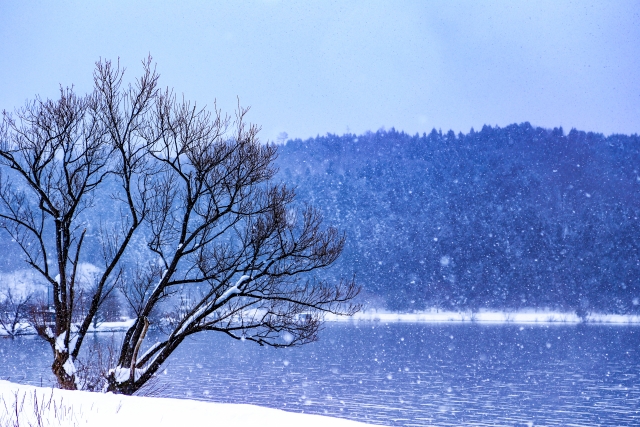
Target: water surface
409, 374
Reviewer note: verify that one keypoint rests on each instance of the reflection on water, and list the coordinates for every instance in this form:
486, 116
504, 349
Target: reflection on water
410, 374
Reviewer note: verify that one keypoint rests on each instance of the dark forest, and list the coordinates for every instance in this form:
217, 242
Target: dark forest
508, 218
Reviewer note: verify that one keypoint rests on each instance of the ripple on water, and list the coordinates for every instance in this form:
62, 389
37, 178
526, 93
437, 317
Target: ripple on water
441, 375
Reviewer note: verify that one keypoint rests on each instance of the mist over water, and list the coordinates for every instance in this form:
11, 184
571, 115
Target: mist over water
406, 374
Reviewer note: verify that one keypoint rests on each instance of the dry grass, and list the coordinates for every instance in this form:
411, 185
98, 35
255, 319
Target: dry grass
34, 409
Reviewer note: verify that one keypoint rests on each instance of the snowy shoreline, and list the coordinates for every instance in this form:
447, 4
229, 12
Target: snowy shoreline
120, 326
541, 317
25, 405
487, 316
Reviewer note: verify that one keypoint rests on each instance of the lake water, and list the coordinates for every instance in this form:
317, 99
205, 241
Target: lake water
408, 374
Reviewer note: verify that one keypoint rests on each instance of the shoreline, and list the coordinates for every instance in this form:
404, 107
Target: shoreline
530, 317
119, 326
544, 317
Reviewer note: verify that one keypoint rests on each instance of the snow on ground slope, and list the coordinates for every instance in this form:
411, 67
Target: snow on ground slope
35, 406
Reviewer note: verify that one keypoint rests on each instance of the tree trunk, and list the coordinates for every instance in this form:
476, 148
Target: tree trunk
65, 381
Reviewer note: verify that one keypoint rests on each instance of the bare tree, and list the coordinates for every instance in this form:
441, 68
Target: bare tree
14, 310
195, 200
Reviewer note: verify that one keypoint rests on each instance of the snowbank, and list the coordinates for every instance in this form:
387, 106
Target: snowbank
54, 407
482, 316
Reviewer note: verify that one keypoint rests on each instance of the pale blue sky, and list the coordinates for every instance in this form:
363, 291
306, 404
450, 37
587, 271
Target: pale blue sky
309, 68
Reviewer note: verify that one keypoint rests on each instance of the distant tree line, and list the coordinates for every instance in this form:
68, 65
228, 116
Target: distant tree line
510, 218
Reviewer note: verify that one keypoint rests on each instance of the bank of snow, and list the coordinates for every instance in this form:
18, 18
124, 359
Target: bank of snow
487, 316
25, 405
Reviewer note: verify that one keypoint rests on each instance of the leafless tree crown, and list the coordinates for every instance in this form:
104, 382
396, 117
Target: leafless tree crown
225, 245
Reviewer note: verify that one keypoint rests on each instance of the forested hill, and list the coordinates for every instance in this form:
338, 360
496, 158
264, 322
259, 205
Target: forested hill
512, 217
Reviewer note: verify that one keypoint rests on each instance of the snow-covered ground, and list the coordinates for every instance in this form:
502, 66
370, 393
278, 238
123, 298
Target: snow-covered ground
35, 406
482, 316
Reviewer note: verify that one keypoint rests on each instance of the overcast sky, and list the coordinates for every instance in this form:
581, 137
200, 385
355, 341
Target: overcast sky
309, 68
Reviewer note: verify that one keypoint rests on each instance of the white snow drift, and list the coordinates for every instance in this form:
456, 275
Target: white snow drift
27, 405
